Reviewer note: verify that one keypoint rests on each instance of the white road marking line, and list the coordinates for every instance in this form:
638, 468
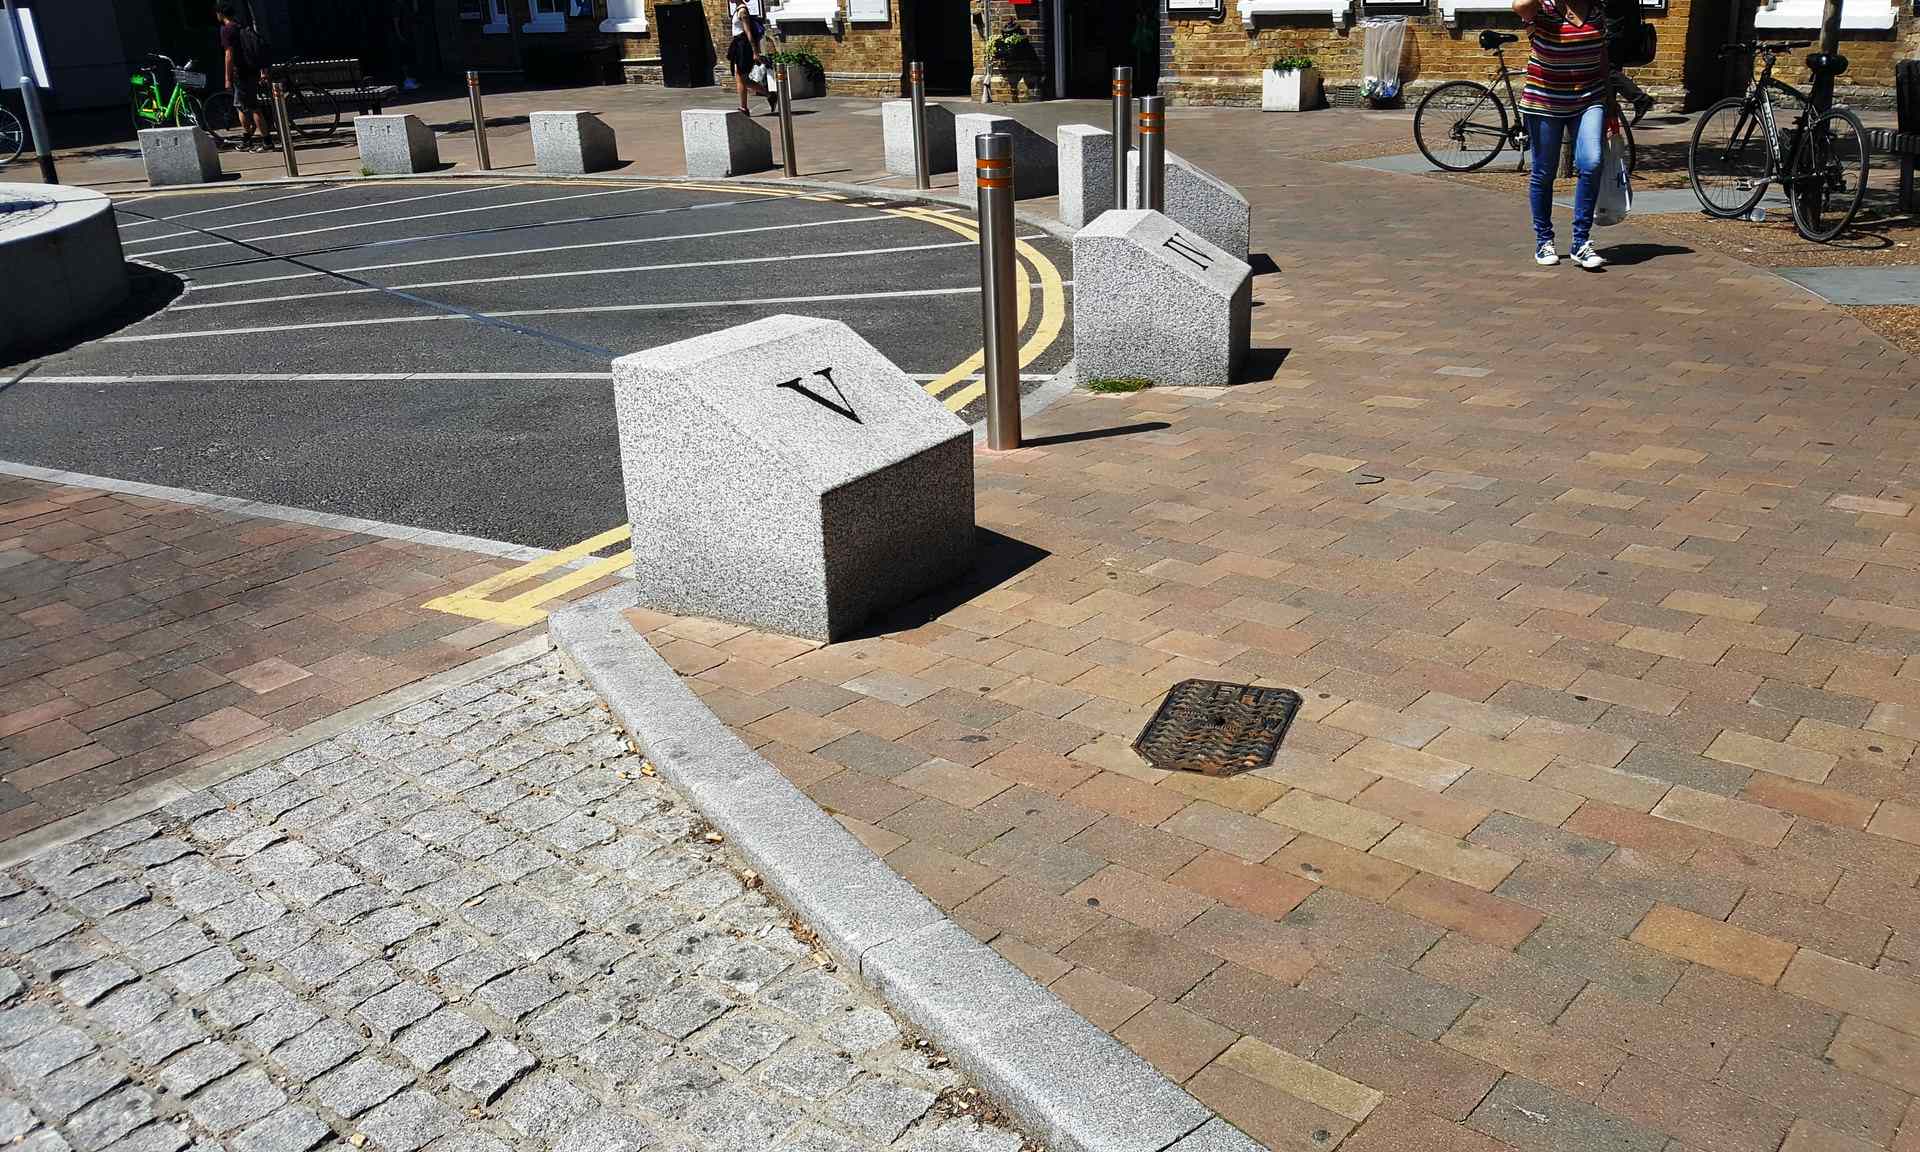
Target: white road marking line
518, 312
324, 212
876, 219
383, 377
629, 269
404, 220
227, 207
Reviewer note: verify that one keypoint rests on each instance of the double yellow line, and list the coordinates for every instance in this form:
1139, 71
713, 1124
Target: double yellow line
1053, 309
525, 609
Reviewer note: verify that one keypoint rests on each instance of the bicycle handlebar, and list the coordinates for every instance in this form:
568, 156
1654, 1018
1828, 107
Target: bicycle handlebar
1769, 47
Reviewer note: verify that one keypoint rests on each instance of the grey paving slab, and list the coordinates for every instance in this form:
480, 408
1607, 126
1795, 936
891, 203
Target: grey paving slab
615, 987
1858, 286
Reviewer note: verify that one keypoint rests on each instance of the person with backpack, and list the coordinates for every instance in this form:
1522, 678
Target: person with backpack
743, 53
245, 61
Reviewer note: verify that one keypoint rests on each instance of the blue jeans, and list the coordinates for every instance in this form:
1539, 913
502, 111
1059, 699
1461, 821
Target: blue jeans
1546, 135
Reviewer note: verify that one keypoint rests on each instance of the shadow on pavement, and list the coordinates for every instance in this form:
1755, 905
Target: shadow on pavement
148, 291
1627, 255
1095, 434
996, 560
1262, 363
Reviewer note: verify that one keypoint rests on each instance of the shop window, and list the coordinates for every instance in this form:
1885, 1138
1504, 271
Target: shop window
548, 16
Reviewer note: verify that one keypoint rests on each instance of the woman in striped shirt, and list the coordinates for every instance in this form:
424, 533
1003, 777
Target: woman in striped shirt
1566, 89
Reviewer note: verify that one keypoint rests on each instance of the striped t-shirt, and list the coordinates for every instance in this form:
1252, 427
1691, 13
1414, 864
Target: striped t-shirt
1567, 67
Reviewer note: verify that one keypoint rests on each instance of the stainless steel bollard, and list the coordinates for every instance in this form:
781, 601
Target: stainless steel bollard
285, 129
479, 121
922, 167
999, 315
1122, 131
786, 124
1153, 153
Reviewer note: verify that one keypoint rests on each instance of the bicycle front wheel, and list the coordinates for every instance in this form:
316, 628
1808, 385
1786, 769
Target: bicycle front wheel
1727, 160
219, 116
1460, 126
1829, 175
313, 112
13, 138
187, 113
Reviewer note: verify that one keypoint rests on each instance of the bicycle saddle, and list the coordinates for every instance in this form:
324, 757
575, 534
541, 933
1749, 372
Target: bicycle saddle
1490, 39
1824, 64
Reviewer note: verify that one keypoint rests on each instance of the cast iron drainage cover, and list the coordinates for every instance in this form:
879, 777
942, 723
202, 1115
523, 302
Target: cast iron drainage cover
1216, 728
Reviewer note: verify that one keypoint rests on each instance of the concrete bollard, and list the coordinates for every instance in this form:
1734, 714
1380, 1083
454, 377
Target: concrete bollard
179, 156
1202, 202
721, 143
1153, 299
1086, 173
395, 145
1036, 161
572, 143
896, 120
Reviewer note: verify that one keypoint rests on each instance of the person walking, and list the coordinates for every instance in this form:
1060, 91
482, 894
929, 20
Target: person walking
1566, 91
743, 53
244, 63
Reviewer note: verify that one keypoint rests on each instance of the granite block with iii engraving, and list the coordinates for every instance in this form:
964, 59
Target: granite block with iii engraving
896, 125
179, 156
395, 145
1086, 173
572, 143
1036, 162
1154, 299
719, 143
1199, 200
784, 474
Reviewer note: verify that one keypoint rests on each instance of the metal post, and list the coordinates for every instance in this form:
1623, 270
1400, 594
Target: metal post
1822, 95
993, 166
479, 114
286, 130
922, 168
30, 96
1153, 153
1122, 132
786, 124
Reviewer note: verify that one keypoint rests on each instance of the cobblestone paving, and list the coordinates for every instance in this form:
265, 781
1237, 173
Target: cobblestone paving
478, 925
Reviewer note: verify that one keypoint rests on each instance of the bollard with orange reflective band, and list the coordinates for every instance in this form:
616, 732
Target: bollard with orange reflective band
1122, 132
922, 166
1000, 326
479, 115
1153, 153
281, 125
789, 158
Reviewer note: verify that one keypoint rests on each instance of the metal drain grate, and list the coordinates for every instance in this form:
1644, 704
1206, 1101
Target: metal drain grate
1218, 729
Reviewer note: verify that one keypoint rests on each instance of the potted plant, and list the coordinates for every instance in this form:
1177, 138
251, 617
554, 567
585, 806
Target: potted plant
1010, 56
1290, 84
804, 70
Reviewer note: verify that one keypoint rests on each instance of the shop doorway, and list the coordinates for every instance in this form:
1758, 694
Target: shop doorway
939, 34
1097, 36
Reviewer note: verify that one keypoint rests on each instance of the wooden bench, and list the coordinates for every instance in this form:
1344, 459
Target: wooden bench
343, 79
1904, 140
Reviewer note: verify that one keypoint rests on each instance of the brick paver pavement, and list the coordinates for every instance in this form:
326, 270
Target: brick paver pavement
478, 925
140, 637
1600, 828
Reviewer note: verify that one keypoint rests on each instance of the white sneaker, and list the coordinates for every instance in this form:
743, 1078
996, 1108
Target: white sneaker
1545, 256
1587, 258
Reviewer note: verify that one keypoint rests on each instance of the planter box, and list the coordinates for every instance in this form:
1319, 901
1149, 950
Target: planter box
806, 84
1294, 91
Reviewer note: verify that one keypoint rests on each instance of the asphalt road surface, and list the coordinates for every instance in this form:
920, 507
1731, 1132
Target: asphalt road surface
436, 353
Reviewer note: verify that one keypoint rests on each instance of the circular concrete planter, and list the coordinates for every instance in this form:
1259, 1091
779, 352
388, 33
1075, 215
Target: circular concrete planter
61, 251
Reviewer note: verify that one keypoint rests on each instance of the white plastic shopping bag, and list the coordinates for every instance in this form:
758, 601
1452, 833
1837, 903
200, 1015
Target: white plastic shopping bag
1616, 183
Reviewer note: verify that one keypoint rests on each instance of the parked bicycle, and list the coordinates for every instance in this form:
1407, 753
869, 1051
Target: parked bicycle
312, 113
1463, 124
13, 137
162, 96
1820, 160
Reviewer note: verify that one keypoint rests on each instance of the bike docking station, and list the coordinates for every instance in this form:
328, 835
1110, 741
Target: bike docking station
395, 145
1157, 300
785, 475
179, 156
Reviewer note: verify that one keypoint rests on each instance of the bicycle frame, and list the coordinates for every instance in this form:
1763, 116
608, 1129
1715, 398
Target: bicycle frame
1760, 106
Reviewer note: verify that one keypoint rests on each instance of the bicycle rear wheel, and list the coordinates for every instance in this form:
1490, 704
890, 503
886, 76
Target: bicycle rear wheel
1727, 160
13, 137
1829, 175
219, 117
1460, 126
314, 112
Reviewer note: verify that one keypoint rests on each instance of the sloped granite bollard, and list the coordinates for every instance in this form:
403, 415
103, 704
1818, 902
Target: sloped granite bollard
1086, 173
1152, 298
179, 156
1199, 200
896, 124
572, 143
721, 143
395, 145
1036, 163
784, 474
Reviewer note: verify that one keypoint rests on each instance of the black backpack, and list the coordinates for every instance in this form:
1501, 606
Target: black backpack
255, 54
1631, 40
